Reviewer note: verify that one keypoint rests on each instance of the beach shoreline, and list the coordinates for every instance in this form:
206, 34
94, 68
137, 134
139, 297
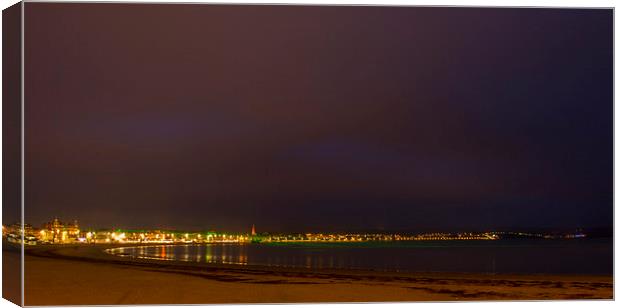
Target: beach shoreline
86, 274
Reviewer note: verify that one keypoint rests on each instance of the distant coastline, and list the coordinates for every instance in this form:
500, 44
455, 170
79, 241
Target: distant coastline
57, 232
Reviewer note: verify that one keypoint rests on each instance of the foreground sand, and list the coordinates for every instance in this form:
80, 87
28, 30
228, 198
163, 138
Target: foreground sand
79, 275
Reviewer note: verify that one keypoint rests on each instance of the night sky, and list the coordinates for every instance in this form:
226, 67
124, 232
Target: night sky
305, 119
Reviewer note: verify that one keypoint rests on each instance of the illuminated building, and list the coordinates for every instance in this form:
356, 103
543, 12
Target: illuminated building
58, 232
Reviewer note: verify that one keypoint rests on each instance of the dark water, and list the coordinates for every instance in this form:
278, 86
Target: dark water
578, 256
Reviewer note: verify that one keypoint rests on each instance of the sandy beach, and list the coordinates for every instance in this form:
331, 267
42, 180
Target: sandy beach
85, 274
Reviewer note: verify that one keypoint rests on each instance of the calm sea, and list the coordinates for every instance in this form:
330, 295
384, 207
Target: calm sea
577, 256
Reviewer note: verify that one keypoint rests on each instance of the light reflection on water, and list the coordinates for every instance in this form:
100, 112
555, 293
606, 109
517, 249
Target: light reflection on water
223, 254
592, 257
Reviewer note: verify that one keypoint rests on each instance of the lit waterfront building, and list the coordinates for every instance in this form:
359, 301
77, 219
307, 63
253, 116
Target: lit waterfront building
58, 232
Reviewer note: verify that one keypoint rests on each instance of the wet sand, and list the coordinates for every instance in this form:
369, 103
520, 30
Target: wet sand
84, 274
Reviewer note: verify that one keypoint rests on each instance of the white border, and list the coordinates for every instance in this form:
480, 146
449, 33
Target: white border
497, 3
22, 142
504, 3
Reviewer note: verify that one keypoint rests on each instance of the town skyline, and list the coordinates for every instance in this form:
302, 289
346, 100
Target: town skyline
59, 232
251, 229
